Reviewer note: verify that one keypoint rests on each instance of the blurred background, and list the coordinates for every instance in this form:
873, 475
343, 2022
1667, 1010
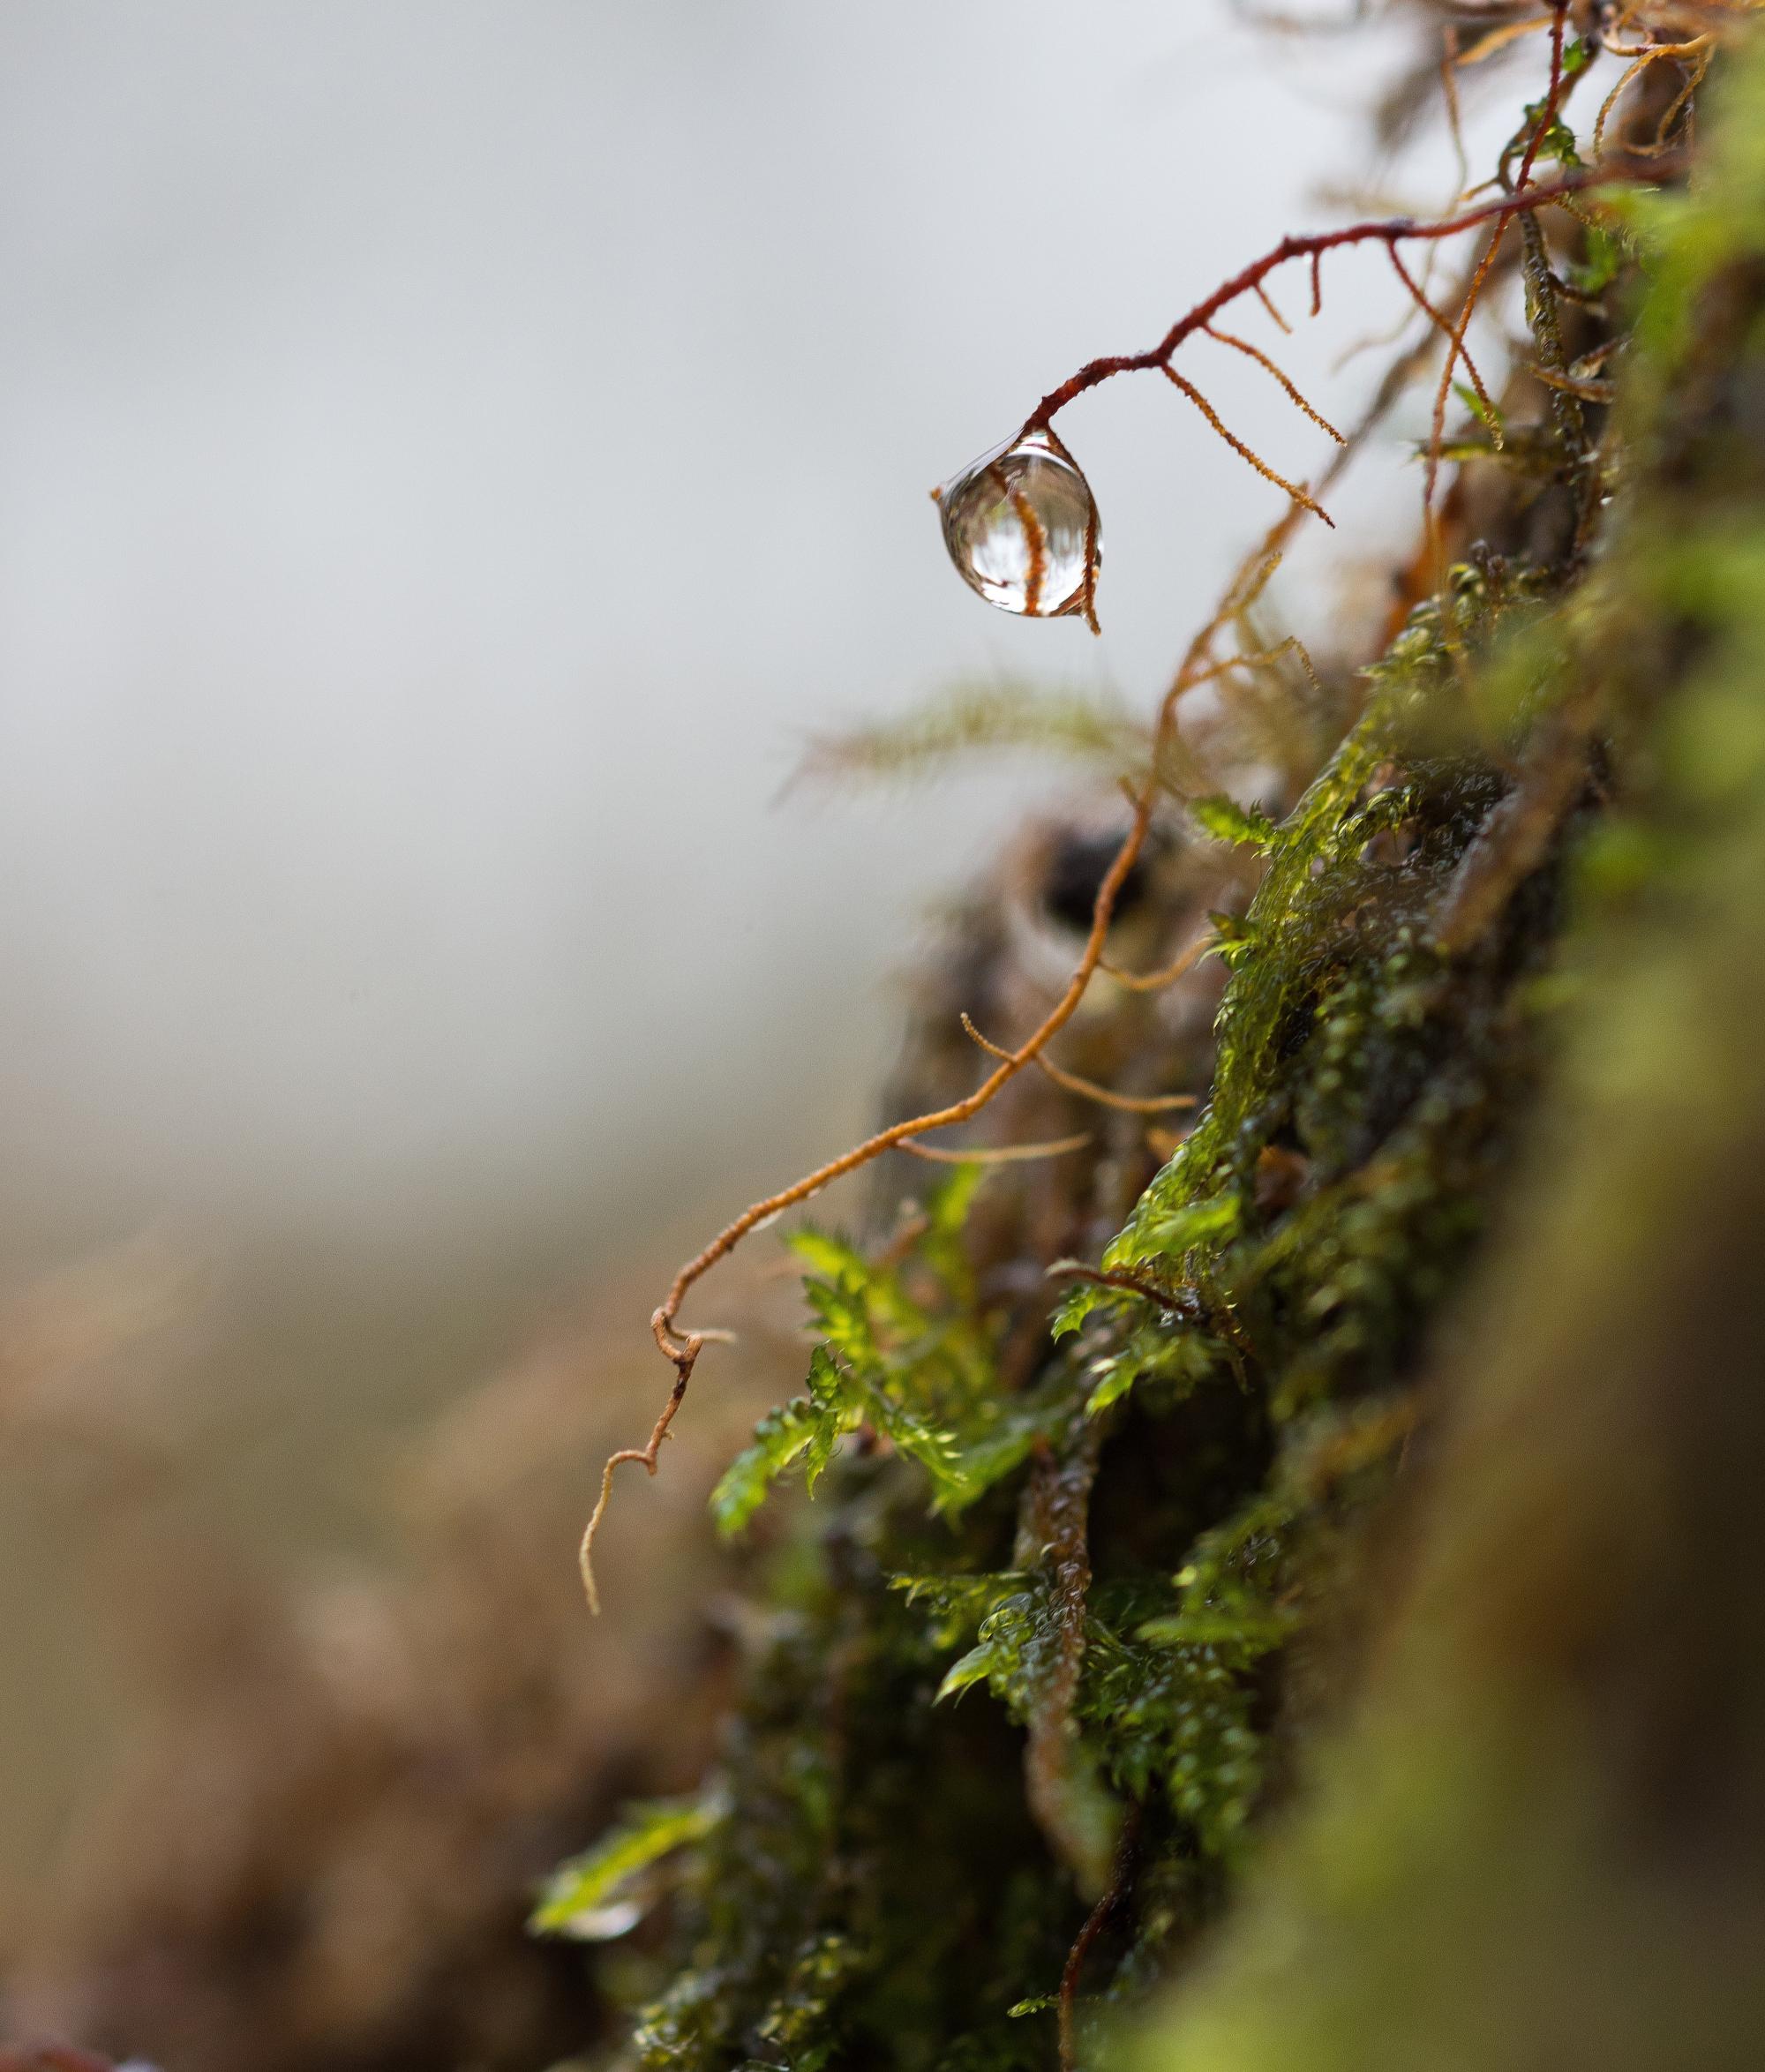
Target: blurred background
451, 457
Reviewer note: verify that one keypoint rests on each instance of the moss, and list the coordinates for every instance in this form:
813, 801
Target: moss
1541, 1844
1046, 1633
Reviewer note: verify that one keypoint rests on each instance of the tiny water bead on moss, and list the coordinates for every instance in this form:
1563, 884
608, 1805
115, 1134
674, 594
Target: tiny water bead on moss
1021, 526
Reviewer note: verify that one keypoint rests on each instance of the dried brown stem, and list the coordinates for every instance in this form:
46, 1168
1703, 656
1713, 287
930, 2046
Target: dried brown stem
1449, 89
1262, 359
1547, 116
1486, 46
682, 1349
1096, 1921
998, 1154
1692, 80
1176, 1302
683, 1354
1389, 230
1179, 967
1456, 350
1129, 1104
1053, 1522
1246, 453
1268, 301
1035, 538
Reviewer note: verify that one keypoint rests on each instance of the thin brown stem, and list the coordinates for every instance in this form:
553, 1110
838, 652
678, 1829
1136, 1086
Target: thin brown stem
1054, 1517
1156, 981
1455, 350
1449, 89
1487, 46
1390, 230
682, 1349
683, 1356
997, 1154
1268, 301
1246, 453
1173, 1302
1096, 1921
1156, 1103
1262, 359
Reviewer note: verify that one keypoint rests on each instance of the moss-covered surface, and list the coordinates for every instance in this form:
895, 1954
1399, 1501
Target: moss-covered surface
1077, 1633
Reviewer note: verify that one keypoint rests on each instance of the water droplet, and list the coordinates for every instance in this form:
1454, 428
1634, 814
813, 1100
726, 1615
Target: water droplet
1021, 526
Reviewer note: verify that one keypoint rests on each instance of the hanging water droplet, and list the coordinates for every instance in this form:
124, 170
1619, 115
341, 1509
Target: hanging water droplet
1021, 526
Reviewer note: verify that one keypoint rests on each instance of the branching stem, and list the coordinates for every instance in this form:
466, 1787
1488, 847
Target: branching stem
1389, 232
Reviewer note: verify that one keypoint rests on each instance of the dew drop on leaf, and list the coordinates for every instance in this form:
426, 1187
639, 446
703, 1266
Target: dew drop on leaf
1021, 526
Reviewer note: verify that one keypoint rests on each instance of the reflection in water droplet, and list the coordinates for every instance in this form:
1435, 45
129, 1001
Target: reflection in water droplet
1021, 526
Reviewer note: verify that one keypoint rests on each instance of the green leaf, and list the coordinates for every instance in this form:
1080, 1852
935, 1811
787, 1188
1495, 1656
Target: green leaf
1604, 255
832, 1418
1003, 1436
980, 1663
1227, 821
947, 1211
1116, 1376
826, 1253
1080, 1303
779, 1438
1485, 413
578, 1899
1211, 1222
1249, 1632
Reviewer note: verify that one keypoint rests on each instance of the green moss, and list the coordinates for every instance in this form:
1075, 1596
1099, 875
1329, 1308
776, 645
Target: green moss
1244, 1397
1542, 1840
1121, 1596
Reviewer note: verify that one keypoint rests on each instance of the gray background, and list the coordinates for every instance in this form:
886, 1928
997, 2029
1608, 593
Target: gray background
449, 455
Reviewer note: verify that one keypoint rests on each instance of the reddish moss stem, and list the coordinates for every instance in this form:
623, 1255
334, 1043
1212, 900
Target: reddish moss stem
1390, 231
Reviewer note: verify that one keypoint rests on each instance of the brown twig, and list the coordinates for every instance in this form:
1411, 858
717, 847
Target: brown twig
1179, 967
1391, 233
1096, 1921
1293, 489
997, 1154
683, 1359
1449, 88
1129, 1103
1054, 1520
1547, 116
1457, 350
1689, 84
1262, 359
1036, 540
1173, 1302
1486, 46
1263, 295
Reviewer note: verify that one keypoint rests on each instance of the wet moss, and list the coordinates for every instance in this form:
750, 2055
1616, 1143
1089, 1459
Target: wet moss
1070, 1634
